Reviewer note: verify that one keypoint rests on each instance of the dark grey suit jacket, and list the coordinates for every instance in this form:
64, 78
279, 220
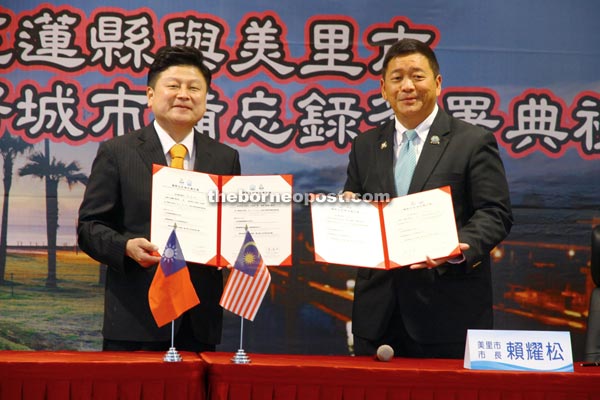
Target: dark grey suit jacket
116, 208
437, 305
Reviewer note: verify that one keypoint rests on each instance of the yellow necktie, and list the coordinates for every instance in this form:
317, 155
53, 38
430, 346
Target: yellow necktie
177, 153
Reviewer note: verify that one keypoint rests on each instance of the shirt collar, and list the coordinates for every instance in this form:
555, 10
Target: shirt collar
422, 129
166, 141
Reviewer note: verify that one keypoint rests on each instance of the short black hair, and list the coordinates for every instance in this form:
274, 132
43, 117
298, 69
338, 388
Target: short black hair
169, 56
407, 46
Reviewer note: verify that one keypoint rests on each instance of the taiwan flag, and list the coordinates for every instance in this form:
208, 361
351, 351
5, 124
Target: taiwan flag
171, 292
247, 283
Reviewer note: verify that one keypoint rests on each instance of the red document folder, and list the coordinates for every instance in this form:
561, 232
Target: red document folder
212, 212
385, 235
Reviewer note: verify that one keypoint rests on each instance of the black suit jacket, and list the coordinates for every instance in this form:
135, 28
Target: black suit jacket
116, 207
437, 305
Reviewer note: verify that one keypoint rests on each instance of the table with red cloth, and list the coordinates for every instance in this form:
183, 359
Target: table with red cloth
299, 377
32, 375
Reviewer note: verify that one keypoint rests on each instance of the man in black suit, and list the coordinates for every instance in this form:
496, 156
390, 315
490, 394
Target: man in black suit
424, 310
114, 217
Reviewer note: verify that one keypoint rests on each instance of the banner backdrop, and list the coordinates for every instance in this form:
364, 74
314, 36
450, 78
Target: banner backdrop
294, 83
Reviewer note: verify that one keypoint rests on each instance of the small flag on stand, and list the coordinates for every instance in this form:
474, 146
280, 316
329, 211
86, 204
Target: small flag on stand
247, 283
171, 292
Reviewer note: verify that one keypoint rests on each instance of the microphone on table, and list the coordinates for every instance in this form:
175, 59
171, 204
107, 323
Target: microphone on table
384, 353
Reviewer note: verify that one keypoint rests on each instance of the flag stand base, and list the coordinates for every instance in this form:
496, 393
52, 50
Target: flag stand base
240, 357
172, 355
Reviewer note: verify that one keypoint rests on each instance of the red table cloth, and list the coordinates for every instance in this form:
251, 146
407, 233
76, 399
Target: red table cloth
33, 375
298, 377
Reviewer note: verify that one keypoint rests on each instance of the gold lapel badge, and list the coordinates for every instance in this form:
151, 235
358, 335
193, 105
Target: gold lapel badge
383, 145
434, 140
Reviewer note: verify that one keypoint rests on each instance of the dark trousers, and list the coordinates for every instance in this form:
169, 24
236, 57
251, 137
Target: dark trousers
184, 341
404, 345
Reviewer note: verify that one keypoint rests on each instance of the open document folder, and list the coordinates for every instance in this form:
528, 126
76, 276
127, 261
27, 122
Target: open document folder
385, 235
212, 212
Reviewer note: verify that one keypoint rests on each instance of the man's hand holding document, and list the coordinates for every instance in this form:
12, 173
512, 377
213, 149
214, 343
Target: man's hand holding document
407, 230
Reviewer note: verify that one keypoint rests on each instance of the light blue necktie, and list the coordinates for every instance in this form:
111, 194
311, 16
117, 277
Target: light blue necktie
405, 164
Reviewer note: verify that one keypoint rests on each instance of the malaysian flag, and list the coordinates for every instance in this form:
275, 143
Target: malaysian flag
171, 291
247, 283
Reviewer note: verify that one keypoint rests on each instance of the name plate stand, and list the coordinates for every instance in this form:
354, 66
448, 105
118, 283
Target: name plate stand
546, 351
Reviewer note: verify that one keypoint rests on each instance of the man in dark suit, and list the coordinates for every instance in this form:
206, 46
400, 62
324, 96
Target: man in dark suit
424, 310
114, 217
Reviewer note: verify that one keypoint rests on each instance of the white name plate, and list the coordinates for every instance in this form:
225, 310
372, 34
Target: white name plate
548, 351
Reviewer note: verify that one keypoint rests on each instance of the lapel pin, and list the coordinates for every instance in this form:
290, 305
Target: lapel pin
383, 145
434, 140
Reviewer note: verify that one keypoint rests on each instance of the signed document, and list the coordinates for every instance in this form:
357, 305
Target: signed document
401, 232
211, 214
263, 204
180, 199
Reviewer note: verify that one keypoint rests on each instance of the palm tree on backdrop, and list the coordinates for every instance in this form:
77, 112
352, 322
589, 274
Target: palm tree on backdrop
52, 171
10, 147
